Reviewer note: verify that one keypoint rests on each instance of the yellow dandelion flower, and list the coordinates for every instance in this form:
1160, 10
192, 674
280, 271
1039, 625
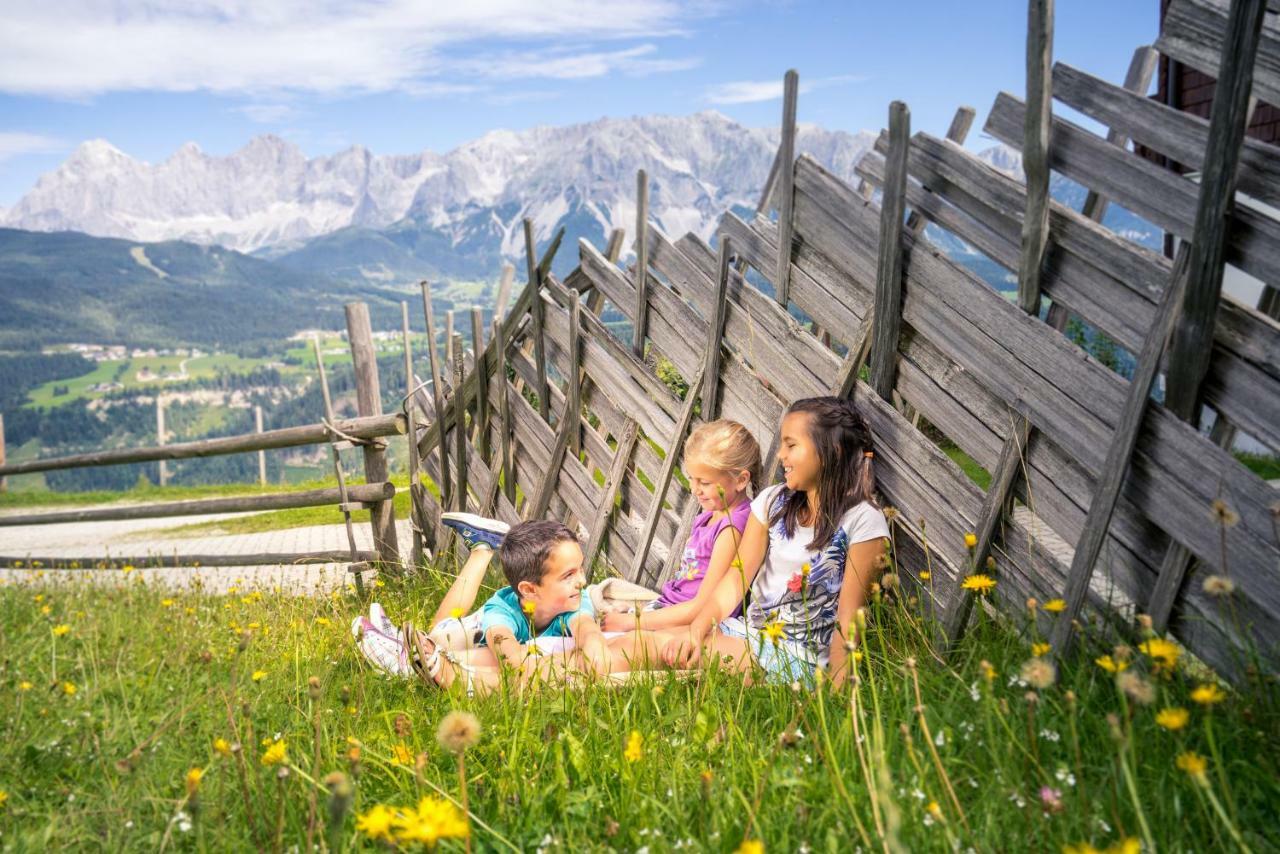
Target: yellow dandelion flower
60, 630
376, 823
276, 754
1039, 649
25, 686
69, 688
190, 611
934, 810
166, 603
222, 747
1193, 763
456, 613
1128, 845
46, 610
970, 540
924, 575
774, 631
635, 744
401, 755
258, 675
1172, 719
193, 781
4, 796
988, 671
1054, 606
1208, 694
1111, 665
1163, 652
433, 820
805, 570
528, 608
128, 568
979, 583
750, 846
736, 563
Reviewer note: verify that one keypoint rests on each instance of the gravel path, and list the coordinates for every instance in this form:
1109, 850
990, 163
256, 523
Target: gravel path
134, 537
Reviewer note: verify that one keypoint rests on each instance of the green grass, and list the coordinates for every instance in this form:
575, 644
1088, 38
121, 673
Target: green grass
159, 676
969, 465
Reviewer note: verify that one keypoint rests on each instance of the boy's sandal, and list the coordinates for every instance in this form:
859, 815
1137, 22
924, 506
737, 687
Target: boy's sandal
428, 659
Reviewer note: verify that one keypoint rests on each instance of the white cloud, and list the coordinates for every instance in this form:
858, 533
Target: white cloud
82, 48
556, 64
17, 143
752, 91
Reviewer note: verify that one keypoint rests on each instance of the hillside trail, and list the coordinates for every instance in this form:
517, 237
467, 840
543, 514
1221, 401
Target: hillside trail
136, 537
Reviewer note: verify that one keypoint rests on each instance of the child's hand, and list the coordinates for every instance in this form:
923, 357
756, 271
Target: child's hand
615, 622
683, 652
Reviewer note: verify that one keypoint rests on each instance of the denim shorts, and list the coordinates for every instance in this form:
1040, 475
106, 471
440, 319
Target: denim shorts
783, 662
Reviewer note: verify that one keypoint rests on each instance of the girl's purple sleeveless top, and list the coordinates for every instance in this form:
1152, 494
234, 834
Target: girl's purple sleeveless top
697, 554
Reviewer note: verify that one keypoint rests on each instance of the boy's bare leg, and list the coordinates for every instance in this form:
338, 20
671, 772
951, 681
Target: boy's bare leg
462, 593
638, 650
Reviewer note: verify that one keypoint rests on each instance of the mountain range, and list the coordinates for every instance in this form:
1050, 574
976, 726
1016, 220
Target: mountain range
381, 218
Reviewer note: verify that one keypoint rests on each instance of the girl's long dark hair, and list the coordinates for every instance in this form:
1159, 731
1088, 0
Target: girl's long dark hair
846, 477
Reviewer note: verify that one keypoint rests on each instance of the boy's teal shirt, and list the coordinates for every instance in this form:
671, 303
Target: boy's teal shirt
503, 609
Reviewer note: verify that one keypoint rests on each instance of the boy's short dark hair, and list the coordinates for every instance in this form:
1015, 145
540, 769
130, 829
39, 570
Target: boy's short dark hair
527, 546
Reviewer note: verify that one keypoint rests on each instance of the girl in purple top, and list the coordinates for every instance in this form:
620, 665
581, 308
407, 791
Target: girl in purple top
722, 462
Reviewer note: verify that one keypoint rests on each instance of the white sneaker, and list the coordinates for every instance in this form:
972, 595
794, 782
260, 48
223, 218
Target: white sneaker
387, 655
382, 622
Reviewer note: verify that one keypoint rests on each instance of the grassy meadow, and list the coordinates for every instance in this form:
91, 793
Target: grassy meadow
137, 718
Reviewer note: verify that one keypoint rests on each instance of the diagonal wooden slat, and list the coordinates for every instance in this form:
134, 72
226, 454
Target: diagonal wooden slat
888, 304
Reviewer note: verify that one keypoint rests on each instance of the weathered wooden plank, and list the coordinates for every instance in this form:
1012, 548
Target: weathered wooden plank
1035, 152
356, 494
382, 516
1174, 133
459, 426
786, 195
715, 335
641, 314
417, 523
1157, 195
482, 389
504, 414
609, 495
570, 417
182, 561
437, 381
674, 446
539, 335
1137, 80
1191, 344
1194, 33
887, 325
371, 427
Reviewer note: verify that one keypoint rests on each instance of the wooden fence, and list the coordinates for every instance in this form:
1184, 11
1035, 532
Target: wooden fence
1101, 495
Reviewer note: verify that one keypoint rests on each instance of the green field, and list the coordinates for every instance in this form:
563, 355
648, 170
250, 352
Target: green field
79, 388
137, 719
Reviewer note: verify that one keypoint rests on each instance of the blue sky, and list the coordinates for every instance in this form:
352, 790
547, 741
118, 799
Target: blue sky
399, 76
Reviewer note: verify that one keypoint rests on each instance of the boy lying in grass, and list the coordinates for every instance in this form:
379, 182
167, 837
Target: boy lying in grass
541, 623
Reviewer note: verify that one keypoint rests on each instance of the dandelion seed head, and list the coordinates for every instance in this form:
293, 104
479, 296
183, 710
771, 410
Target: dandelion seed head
458, 731
1218, 585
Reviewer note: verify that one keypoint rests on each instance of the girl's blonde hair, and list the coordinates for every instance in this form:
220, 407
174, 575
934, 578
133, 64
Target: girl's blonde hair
725, 446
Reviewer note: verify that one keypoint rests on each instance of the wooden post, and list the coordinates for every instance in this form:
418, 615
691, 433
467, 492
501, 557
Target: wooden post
642, 265
4, 481
262, 455
1186, 368
888, 301
570, 427
609, 494
504, 415
711, 372
663, 480
1035, 151
448, 331
538, 311
163, 471
573, 400
382, 514
482, 388
504, 292
459, 425
1192, 341
437, 395
787, 174
1198, 268
417, 518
